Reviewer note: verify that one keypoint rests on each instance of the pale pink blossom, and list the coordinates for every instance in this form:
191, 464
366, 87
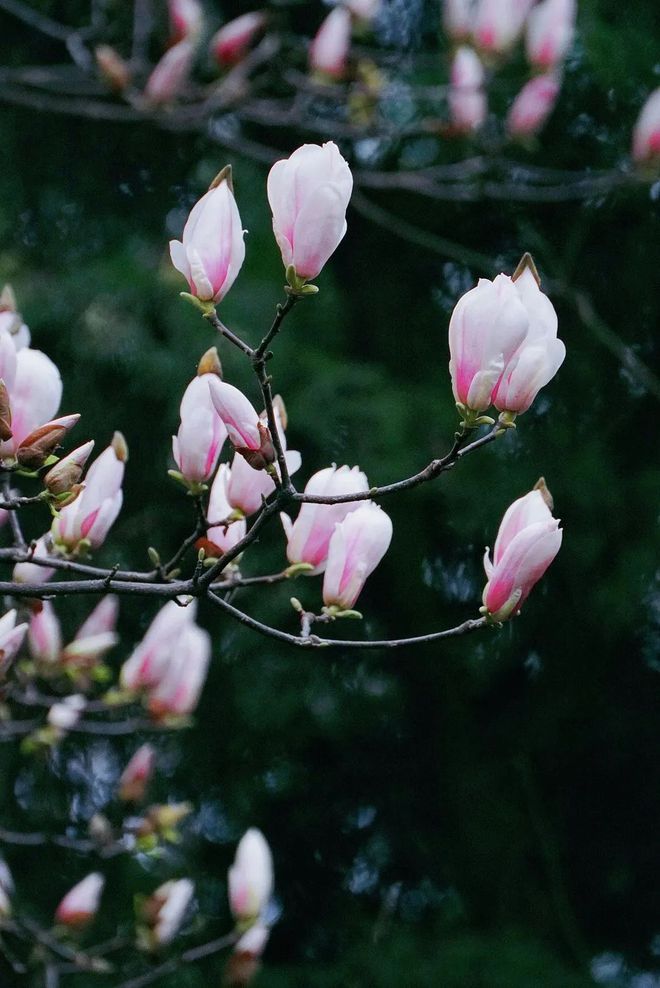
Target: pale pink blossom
212, 250
170, 74
357, 545
533, 105
45, 634
102, 620
467, 99
549, 32
11, 638
93, 513
34, 572
309, 536
178, 690
646, 133
328, 52
81, 903
147, 663
457, 18
246, 430
247, 487
65, 715
486, 328
232, 42
186, 18
198, 443
308, 195
96, 635
35, 396
222, 538
539, 356
251, 877
166, 908
528, 540
498, 23
136, 776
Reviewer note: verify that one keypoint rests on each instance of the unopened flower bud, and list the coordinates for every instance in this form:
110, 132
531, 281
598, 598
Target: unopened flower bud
170, 74
113, 69
357, 545
68, 471
251, 877
247, 433
35, 449
210, 363
81, 903
120, 446
231, 43
328, 52
137, 774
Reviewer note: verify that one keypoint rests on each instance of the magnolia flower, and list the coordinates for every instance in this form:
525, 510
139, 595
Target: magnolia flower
539, 356
178, 689
45, 634
137, 774
467, 100
457, 18
309, 536
357, 545
246, 487
221, 538
498, 23
93, 513
232, 42
35, 394
170, 74
198, 443
11, 638
95, 636
81, 903
328, 52
164, 910
250, 877
147, 663
528, 540
186, 18
549, 32
646, 133
308, 195
533, 105
247, 433
212, 251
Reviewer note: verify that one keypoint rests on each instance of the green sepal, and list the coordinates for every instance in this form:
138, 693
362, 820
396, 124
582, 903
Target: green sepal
297, 569
206, 308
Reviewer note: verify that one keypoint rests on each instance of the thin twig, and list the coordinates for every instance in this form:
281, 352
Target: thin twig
187, 957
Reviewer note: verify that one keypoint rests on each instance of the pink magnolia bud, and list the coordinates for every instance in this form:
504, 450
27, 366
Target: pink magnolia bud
81, 903
232, 42
251, 877
528, 540
357, 545
136, 776
457, 18
220, 538
308, 195
45, 634
533, 105
486, 328
33, 572
170, 74
11, 638
198, 443
247, 433
309, 536
35, 396
246, 487
328, 53
498, 23
67, 472
95, 637
549, 32
180, 686
646, 133
148, 662
467, 100
102, 620
539, 356
93, 513
165, 909
186, 18
212, 250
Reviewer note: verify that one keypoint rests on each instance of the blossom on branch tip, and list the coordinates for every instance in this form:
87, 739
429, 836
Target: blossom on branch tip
201, 435
250, 878
246, 430
231, 43
646, 132
308, 195
328, 52
527, 541
81, 903
94, 511
533, 105
357, 545
212, 250
549, 32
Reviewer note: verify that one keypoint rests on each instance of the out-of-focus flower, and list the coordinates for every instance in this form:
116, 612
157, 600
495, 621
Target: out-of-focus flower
527, 541
33, 572
170, 74
221, 538
186, 18
246, 487
498, 23
646, 133
243, 964
247, 432
533, 105
357, 545
164, 910
136, 776
65, 715
328, 52
178, 690
309, 536
212, 250
232, 42
308, 195
81, 903
11, 638
147, 663
457, 18
198, 443
250, 878
113, 69
549, 32
93, 513
45, 634
467, 100
95, 636
539, 356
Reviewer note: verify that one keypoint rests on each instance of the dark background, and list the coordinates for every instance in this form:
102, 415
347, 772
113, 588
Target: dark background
477, 813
